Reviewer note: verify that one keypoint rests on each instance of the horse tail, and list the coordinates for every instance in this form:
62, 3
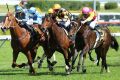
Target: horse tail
114, 43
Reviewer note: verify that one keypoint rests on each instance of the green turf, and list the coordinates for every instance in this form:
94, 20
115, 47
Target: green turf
115, 29
93, 72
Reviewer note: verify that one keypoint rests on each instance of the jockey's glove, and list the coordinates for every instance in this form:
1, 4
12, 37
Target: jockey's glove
83, 22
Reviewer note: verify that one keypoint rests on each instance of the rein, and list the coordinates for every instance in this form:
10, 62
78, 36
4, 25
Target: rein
78, 30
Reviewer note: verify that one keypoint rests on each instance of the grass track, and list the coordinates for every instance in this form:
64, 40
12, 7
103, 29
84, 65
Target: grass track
93, 72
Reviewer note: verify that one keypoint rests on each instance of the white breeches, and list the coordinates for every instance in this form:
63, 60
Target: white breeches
93, 24
65, 23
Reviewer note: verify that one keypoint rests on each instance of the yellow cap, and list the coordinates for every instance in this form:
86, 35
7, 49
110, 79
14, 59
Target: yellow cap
56, 6
38, 9
50, 10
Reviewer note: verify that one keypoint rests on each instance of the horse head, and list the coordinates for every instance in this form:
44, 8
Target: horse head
9, 20
48, 21
76, 25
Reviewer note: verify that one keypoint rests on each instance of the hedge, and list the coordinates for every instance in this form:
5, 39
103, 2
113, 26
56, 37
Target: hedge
111, 5
70, 5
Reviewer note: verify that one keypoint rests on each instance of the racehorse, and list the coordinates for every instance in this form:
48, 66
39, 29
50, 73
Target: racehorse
85, 40
22, 40
57, 41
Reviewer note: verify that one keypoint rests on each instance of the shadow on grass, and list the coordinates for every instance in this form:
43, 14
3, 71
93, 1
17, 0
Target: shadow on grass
55, 67
114, 65
39, 73
10, 70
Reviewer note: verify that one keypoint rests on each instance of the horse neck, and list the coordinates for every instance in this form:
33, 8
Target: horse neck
55, 31
54, 27
16, 31
83, 28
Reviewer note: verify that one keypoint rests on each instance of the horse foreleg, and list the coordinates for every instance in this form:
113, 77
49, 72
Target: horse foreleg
90, 57
49, 53
50, 65
74, 58
33, 55
103, 56
97, 59
82, 59
66, 57
15, 56
83, 64
54, 59
30, 61
41, 60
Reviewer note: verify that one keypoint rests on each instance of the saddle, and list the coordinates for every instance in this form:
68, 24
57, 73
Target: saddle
31, 29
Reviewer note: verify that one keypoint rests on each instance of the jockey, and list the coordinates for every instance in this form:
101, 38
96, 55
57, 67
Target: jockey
88, 16
50, 11
62, 16
35, 17
21, 8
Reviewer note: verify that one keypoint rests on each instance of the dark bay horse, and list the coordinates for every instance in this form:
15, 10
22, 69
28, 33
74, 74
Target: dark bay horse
85, 40
22, 41
57, 41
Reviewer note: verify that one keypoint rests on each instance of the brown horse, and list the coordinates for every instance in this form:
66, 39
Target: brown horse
57, 40
22, 41
85, 40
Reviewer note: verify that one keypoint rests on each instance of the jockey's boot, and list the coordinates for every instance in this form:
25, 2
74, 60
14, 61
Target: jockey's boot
96, 28
32, 31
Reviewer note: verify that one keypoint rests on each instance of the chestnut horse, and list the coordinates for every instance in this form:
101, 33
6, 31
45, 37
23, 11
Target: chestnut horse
85, 40
22, 40
57, 41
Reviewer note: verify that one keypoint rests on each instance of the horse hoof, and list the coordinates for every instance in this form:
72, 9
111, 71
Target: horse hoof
92, 59
108, 71
97, 64
13, 65
73, 67
51, 68
32, 72
54, 62
40, 64
84, 71
22, 65
67, 72
78, 69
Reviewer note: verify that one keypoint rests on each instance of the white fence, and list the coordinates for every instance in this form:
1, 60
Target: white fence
5, 37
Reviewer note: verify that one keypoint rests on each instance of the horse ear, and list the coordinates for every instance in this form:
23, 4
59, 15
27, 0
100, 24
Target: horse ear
46, 15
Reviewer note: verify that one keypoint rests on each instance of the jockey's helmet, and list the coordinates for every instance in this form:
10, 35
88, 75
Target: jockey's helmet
56, 6
32, 10
85, 10
50, 10
19, 9
24, 0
